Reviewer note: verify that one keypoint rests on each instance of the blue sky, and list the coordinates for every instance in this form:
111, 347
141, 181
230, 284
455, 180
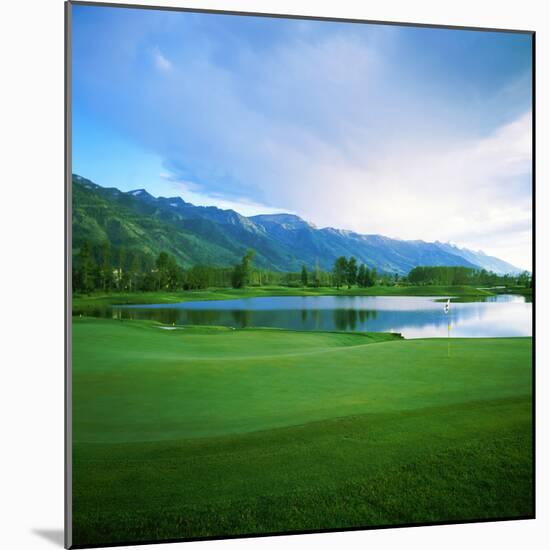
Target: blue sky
413, 133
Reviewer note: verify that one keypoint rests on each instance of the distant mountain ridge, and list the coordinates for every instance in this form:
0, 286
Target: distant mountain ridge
210, 235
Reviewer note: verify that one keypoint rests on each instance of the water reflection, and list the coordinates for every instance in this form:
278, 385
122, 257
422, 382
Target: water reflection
414, 317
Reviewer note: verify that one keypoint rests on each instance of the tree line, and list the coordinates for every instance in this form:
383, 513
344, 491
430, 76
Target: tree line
102, 267
457, 275
346, 272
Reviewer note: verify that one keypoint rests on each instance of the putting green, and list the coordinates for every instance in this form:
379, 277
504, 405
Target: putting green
135, 382
201, 432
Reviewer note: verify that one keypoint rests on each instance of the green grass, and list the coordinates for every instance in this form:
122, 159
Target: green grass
97, 300
201, 432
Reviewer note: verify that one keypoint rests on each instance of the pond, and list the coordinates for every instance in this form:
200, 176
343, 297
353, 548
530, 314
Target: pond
413, 317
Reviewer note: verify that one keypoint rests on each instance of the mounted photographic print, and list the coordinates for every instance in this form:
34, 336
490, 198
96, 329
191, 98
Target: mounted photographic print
299, 275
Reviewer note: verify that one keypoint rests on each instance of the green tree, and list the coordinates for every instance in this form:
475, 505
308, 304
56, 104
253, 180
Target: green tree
340, 271
161, 264
175, 274
134, 271
351, 272
84, 280
370, 278
361, 276
241, 272
524, 279
317, 275
304, 275
106, 271
122, 276
168, 272
199, 276
373, 276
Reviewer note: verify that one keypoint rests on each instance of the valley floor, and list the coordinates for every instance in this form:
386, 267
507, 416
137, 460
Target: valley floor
199, 432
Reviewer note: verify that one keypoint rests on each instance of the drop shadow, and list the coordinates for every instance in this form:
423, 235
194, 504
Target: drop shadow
55, 536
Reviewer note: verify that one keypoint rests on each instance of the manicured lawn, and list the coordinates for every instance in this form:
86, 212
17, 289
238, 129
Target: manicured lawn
201, 432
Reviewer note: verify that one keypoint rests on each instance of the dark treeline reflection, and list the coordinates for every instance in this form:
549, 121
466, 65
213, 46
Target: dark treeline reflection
304, 319
352, 319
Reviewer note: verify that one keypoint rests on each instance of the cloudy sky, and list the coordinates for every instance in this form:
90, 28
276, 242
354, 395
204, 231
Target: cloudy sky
412, 133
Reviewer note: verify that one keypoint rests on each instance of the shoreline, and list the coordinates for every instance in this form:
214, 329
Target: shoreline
105, 299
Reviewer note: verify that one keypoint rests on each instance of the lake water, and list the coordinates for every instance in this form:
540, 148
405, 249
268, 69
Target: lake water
413, 317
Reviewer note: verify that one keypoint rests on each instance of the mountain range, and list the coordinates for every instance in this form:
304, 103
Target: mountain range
209, 235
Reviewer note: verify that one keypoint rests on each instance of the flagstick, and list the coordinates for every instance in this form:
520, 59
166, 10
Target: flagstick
447, 310
449, 338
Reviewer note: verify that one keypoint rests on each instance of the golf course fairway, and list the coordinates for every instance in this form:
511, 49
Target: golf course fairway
191, 432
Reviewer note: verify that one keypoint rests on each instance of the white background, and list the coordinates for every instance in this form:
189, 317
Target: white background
31, 270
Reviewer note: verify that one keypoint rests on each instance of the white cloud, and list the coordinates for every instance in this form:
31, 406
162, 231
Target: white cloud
330, 126
161, 62
193, 193
474, 192
332, 156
